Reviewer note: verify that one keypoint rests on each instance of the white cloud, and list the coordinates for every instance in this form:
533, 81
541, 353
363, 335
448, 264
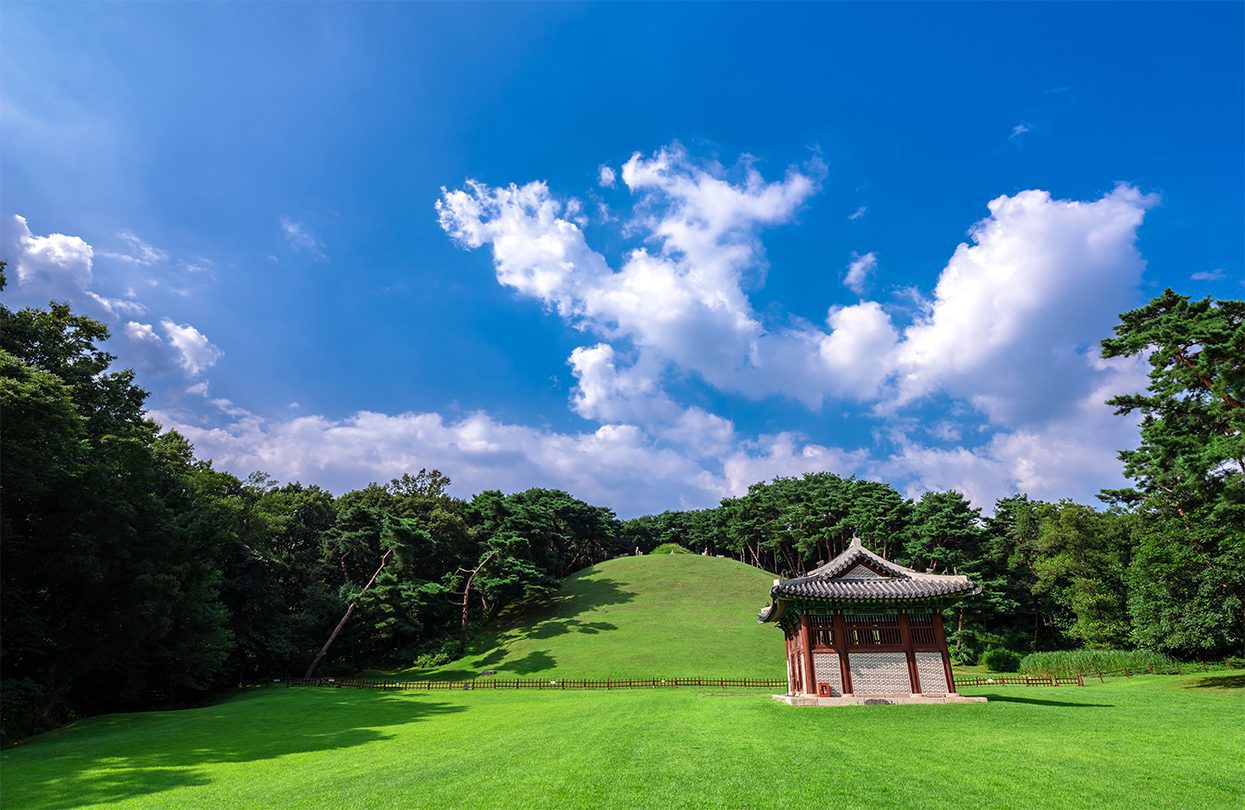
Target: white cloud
858, 213
621, 466
858, 353
606, 177
680, 300
1010, 327
615, 464
145, 350
1073, 456
195, 353
1217, 274
303, 240
1018, 130
859, 270
136, 250
60, 267
609, 394
1014, 312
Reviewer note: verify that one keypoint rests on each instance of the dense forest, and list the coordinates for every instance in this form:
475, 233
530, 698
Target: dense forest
133, 574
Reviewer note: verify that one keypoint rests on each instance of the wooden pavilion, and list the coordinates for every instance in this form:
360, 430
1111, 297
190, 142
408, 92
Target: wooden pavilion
862, 629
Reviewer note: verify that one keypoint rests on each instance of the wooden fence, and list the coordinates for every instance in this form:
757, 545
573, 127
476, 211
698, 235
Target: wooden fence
1078, 679
544, 683
1018, 680
732, 683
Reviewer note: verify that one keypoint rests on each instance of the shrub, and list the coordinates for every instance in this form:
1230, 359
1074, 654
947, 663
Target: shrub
670, 548
998, 659
1070, 662
429, 660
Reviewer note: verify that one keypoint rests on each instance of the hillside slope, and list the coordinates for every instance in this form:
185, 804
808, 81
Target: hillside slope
653, 616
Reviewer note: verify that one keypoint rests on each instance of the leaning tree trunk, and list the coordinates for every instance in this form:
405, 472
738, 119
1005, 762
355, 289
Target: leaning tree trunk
466, 594
349, 609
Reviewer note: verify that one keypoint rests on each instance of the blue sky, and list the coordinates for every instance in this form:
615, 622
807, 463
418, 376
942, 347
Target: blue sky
663, 309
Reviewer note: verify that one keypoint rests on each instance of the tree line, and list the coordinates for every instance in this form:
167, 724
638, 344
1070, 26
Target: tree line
134, 574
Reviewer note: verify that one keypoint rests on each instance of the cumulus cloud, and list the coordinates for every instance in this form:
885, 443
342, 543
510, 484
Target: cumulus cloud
618, 465
1008, 330
61, 268
183, 347
679, 297
301, 238
606, 177
195, 353
1073, 456
1014, 311
859, 271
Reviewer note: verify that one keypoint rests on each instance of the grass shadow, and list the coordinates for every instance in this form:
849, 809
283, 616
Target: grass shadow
1043, 702
1219, 682
152, 752
552, 617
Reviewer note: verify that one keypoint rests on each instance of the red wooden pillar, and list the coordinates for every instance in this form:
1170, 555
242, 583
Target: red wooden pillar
840, 646
806, 636
905, 638
942, 647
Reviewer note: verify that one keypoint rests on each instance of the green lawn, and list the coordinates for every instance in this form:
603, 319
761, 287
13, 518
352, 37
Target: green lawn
656, 616
1147, 741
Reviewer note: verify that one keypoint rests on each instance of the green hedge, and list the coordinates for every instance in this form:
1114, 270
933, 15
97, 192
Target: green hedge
1070, 662
997, 659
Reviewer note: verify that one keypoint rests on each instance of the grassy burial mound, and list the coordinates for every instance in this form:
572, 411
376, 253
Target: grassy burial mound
668, 615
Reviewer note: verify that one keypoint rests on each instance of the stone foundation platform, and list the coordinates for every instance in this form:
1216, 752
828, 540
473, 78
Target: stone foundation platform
873, 700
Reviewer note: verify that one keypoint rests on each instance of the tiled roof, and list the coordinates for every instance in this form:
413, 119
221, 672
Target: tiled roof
859, 575
874, 589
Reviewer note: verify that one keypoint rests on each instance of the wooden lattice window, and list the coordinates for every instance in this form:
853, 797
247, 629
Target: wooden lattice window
873, 630
921, 627
822, 628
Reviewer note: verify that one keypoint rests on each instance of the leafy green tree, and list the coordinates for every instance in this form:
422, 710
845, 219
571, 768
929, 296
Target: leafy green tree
1188, 575
1081, 561
110, 586
946, 537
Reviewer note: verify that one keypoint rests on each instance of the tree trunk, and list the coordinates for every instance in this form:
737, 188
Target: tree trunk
346, 618
462, 626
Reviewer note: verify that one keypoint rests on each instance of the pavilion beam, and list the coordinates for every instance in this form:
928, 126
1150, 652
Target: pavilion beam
941, 636
840, 643
806, 636
905, 638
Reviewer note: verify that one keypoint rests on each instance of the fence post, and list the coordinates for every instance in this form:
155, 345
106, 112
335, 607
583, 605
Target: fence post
1126, 672
1079, 680
1178, 672
1203, 664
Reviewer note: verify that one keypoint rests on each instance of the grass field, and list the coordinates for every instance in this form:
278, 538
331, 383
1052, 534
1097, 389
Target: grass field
1159, 741
656, 616
1164, 741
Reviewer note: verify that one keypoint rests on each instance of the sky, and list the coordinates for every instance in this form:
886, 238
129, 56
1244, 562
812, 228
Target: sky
647, 253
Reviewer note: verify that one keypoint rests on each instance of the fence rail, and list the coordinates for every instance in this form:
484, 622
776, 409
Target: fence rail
470, 684
543, 683
1018, 680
